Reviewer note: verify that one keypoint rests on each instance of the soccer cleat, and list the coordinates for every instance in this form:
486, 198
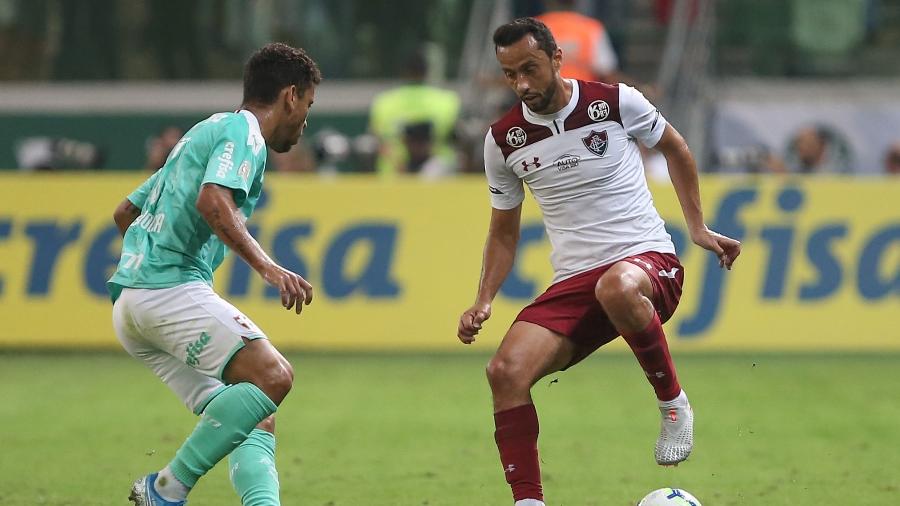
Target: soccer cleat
676, 431
144, 494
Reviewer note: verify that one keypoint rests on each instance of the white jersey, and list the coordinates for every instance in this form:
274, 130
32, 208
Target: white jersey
584, 168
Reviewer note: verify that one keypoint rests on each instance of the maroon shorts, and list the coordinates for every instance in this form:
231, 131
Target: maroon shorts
570, 307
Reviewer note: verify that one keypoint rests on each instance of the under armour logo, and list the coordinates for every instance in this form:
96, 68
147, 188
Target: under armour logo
669, 274
673, 416
510, 468
526, 165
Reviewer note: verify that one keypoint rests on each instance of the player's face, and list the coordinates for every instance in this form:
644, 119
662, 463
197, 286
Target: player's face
530, 72
296, 110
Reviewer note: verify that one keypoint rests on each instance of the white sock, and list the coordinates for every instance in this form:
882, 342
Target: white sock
681, 400
529, 502
168, 486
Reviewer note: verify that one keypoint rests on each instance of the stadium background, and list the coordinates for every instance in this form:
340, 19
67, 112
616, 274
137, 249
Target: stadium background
88, 85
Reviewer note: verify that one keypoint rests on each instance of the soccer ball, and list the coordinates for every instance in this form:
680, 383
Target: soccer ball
669, 497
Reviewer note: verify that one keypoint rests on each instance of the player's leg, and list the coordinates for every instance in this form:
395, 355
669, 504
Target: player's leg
192, 387
528, 353
258, 377
251, 466
628, 296
205, 334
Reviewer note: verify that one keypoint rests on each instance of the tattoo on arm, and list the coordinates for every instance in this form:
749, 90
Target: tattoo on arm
238, 243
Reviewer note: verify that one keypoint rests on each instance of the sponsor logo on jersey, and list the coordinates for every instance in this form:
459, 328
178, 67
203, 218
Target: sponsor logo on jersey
527, 165
495, 190
244, 170
225, 160
598, 110
596, 142
516, 137
566, 162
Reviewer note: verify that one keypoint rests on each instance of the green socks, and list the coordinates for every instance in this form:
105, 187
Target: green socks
226, 422
251, 467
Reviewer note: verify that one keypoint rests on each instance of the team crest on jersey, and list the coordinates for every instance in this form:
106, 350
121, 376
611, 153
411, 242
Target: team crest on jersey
596, 142
516, 137
598, 110
244, 170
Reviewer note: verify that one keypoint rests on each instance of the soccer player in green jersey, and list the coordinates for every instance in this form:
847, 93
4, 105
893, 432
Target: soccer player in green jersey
177, 226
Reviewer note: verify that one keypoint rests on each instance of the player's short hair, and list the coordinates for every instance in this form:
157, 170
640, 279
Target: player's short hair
515, 30
274, 67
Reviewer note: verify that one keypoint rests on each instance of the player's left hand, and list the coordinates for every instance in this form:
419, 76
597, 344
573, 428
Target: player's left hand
726, 248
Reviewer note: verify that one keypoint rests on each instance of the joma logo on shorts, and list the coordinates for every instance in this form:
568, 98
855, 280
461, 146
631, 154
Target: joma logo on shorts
195, 348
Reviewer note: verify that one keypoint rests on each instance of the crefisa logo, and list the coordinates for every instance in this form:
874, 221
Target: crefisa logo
566, 162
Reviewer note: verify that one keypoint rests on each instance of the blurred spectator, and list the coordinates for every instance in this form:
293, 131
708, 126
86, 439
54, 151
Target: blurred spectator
587, 51
50, 153
86, 30
159, 147
418, 139
396, 118
173, 31
892, 160
818, 149
298, 160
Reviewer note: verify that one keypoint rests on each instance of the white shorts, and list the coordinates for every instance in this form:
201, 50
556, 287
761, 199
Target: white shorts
186, 334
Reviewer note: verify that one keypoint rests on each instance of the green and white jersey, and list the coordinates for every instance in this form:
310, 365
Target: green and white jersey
170, 243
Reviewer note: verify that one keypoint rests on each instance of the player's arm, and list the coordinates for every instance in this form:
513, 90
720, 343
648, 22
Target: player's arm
499, 257
683, 173
130, 208
217, 206
125, 214
507, 195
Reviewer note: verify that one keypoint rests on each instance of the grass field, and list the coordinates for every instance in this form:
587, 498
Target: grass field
369, 429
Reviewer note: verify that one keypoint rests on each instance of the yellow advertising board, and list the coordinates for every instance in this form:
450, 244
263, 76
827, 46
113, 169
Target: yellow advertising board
393, 263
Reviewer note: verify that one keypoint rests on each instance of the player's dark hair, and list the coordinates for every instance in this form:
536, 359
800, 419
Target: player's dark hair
274, 67
514, 31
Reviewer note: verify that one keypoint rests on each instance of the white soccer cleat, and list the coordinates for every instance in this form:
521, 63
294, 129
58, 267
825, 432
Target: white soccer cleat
676, 431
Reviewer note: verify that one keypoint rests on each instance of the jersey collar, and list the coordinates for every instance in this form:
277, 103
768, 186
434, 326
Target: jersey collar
255, 139
562, 114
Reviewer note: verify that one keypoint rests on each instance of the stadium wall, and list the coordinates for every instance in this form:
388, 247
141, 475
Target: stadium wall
395, 262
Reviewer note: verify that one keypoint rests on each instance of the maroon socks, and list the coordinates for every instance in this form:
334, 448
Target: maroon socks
516, 436
652, 352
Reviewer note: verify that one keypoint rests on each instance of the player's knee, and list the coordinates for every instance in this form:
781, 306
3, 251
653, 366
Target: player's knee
503, 374
614, 288
267, 425
277, 381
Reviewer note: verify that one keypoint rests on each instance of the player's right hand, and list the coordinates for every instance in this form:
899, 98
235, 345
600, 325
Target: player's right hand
295, 291
471, 320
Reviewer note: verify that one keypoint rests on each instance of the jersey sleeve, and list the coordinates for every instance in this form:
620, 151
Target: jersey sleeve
640, 118
230, 160
139, 196
505, 186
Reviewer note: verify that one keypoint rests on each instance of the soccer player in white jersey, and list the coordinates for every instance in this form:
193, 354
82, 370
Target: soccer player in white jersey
574, 143
177, 227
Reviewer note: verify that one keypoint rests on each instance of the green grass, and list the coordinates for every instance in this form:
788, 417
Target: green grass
412, 429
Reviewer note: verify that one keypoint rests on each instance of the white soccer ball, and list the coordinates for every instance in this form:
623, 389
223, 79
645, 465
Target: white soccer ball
669, 497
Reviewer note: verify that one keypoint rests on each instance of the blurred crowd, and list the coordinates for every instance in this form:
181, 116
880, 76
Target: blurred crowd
419, 127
